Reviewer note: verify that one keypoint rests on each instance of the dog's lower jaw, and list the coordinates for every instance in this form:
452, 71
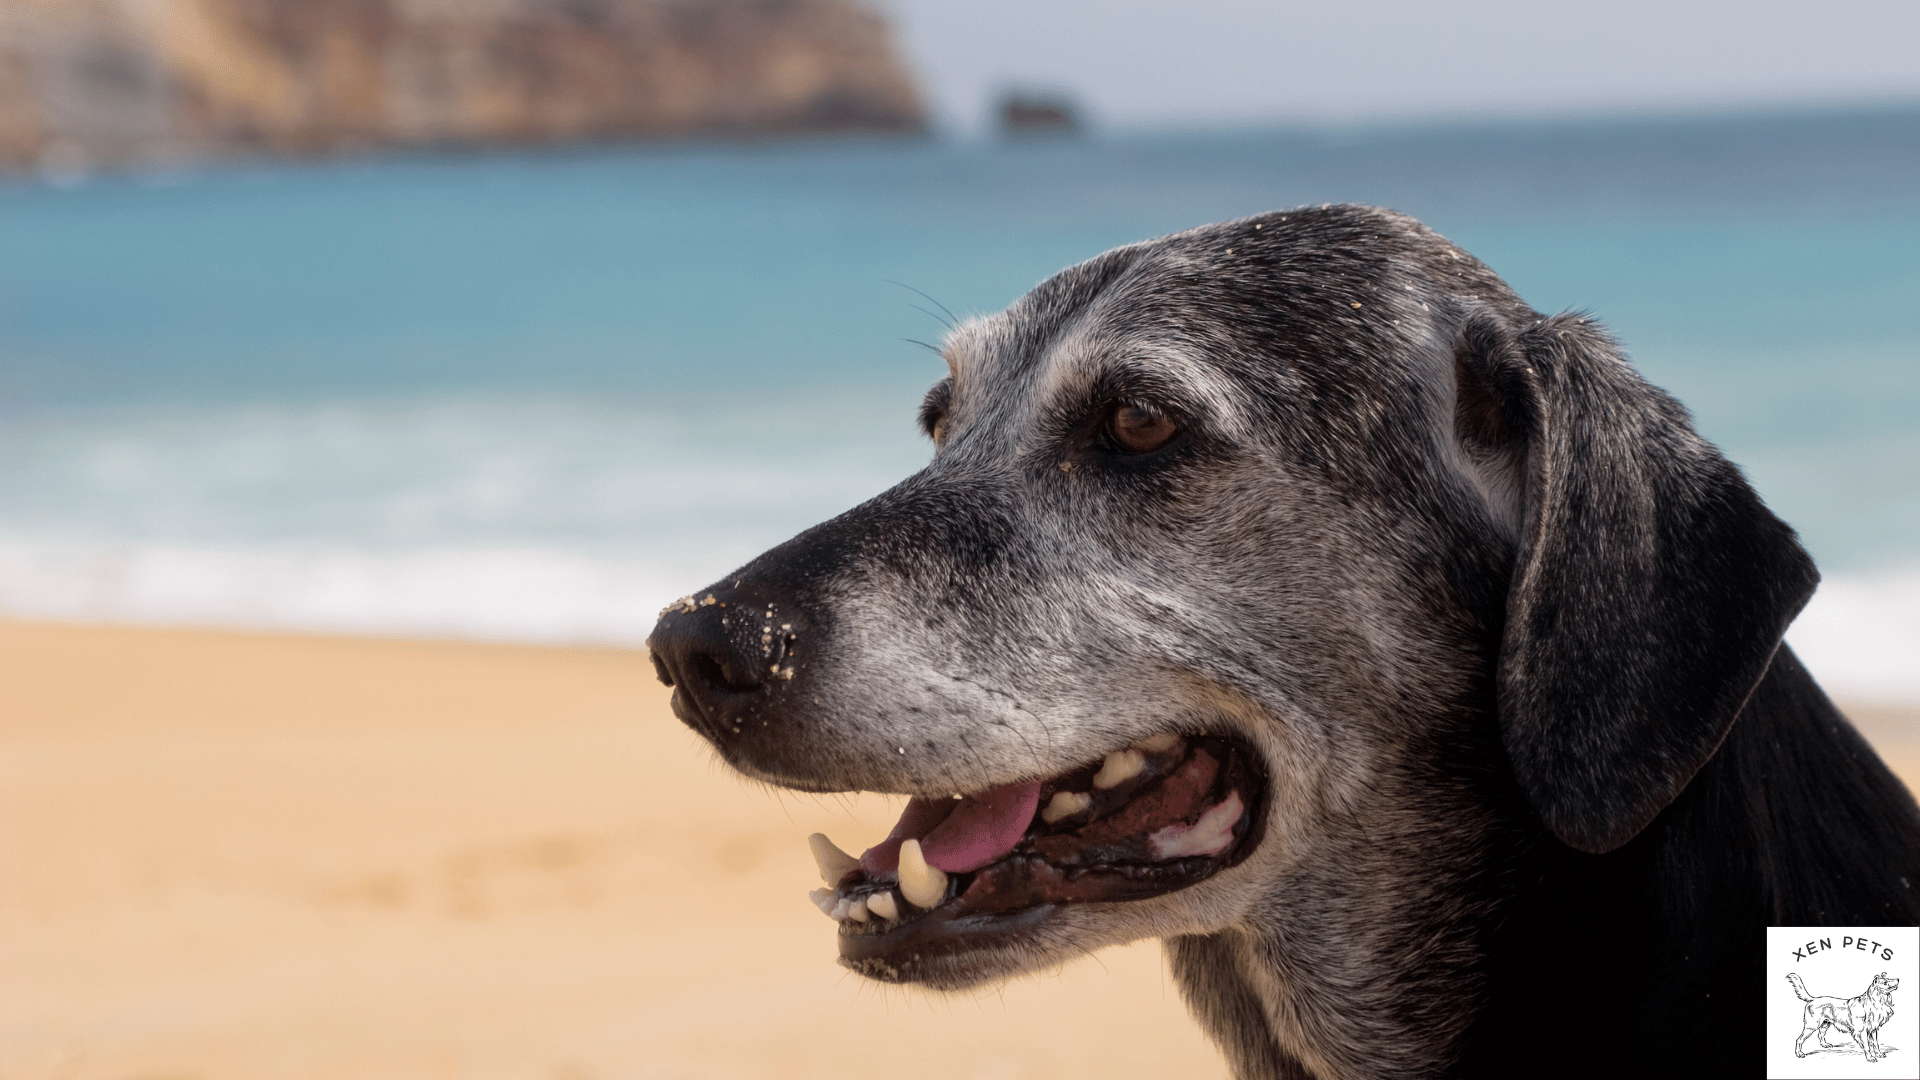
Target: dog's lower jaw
982, 949
1049, 936
948, 971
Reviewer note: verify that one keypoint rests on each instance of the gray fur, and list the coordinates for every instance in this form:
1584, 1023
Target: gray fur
1451, 567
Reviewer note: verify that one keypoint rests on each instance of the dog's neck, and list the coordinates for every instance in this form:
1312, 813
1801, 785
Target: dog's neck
1656, 944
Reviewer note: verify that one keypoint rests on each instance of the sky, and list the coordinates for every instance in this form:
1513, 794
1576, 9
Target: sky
1153, 63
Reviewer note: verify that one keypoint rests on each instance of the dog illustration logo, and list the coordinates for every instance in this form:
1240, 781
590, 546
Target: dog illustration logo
1860, 1017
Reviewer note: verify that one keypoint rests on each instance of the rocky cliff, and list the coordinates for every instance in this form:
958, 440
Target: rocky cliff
89, 82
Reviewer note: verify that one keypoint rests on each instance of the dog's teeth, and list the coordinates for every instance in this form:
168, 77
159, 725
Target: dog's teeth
1065, 804
857, 910
923, 886
884, 905
824, 900
840, 909
1158, 744
1120, 767
1210, 835
833, 862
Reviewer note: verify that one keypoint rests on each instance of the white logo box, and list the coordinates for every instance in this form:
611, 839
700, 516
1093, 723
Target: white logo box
1837, 964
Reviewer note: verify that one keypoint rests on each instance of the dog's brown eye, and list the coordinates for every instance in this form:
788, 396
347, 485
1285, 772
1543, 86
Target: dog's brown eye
1139, 430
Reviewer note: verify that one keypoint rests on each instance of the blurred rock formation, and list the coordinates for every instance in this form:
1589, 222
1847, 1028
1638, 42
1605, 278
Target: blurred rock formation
93, 82
1026, 112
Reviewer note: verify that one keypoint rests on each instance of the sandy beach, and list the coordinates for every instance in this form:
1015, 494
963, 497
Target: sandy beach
233, 855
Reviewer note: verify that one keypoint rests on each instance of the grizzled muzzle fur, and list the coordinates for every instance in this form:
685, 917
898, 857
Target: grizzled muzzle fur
1289, 590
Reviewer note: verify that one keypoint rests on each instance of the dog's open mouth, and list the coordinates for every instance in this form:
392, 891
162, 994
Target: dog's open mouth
963, 872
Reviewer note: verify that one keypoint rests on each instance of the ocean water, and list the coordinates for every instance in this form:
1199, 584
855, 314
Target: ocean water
535, 396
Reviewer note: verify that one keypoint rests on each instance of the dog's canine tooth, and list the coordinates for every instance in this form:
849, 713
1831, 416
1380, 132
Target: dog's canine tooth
1065, 804
884, 905
921, 885
833, 862
1120, 767
824, 900
857, 910
1158, 744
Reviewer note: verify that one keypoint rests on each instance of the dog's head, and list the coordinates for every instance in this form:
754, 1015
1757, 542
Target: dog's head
1259, 574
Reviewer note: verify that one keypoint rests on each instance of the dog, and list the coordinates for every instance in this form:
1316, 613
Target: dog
1289, 590
1861, 1017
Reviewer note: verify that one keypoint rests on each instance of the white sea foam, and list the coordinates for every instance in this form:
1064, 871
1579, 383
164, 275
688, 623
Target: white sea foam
1860, 636
494, 593
546, 520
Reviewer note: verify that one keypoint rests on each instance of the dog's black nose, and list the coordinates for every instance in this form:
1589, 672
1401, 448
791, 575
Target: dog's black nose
726, 652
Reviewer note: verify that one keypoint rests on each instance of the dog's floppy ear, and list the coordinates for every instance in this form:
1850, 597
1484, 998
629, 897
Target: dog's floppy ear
1651, 585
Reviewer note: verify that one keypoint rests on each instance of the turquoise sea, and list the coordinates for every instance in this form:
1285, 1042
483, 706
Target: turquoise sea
536, 395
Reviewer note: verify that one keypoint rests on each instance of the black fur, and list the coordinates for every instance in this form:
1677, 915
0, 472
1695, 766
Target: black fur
1650, 958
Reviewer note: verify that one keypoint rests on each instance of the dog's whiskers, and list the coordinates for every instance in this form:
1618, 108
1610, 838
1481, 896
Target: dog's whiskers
951, 319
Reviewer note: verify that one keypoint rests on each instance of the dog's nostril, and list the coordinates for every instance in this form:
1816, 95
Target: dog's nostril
660, 670
708, 670
782, 648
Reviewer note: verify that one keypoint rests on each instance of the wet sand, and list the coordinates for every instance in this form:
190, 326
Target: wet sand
248, 856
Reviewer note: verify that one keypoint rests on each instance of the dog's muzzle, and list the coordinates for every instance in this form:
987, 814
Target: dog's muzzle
963, 871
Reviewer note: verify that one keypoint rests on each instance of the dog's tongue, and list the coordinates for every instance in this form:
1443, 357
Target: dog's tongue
958, 835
